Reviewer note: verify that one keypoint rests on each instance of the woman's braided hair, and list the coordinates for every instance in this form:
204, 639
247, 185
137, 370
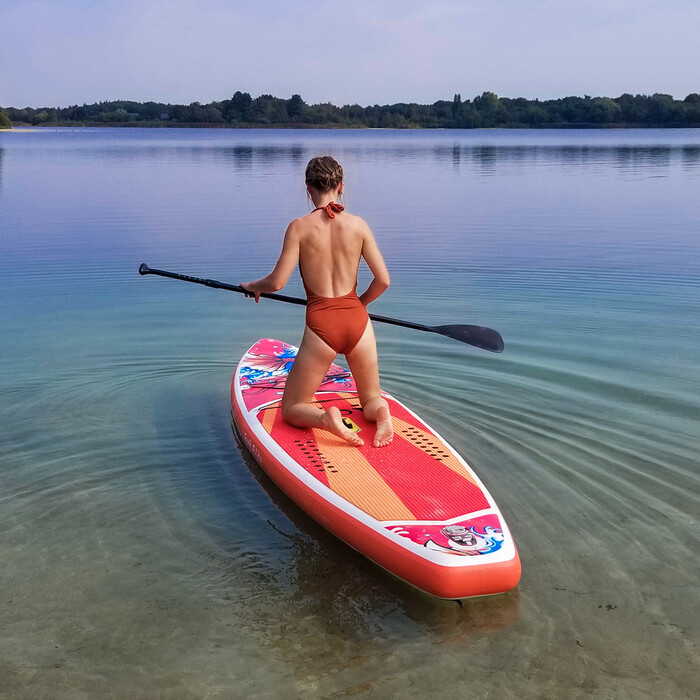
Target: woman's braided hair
324, 173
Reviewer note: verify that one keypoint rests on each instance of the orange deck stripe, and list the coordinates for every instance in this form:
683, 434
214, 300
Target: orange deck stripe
268, 419
356, 480
416, 436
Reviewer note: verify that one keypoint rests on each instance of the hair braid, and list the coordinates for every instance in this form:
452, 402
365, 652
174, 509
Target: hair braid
324, 173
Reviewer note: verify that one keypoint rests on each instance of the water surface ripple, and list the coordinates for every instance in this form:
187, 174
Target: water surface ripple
145, 555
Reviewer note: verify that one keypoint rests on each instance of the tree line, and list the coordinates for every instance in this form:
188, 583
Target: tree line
487, 110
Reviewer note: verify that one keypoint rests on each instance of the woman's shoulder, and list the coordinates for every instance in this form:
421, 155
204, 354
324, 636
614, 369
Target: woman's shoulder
296, 228
354, 220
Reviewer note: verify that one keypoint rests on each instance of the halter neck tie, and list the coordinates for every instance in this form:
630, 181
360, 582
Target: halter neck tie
331, 209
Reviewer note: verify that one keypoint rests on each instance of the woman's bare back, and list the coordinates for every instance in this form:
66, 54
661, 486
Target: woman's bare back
330, 252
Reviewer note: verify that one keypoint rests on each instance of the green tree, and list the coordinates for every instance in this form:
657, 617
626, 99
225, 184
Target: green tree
238, 108
488, 101
267, 109
605, 110
5, 122
456, 106
535, 115
489, 105
297, 109
632, 108
691, 109
663, 109
40, 117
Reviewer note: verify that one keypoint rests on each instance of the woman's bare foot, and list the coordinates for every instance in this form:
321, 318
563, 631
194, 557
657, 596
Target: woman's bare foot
332, 421
385, 430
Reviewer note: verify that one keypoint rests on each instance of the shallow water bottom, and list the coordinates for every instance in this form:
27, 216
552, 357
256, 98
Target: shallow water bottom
181, 571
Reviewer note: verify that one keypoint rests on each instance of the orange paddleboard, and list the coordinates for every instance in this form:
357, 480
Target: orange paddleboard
414, 507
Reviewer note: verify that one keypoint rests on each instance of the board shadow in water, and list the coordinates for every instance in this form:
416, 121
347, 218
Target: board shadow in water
253, 547
354, 592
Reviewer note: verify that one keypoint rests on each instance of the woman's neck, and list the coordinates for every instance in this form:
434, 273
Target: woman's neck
322, 199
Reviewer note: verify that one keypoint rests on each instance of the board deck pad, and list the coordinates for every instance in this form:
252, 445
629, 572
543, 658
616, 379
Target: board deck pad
382, 482
417, 488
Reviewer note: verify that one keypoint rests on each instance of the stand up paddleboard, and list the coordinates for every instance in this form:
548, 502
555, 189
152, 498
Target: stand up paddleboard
414, 507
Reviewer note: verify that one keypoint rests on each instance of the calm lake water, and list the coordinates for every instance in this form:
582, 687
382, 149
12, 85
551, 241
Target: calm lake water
144, 555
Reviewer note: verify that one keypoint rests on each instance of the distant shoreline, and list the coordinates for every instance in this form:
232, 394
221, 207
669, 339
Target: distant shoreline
340, 127
488, 110
174, 125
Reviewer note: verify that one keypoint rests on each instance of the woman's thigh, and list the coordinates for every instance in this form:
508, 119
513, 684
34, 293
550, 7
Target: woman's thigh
309, 368
364, 366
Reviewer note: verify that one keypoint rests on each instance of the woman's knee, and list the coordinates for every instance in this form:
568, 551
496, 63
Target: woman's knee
287, 410
371, 407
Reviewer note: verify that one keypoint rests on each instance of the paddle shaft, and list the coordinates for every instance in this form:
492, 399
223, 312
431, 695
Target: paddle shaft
485, 338
214, 284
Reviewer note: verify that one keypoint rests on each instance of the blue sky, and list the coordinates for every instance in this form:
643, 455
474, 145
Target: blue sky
62, 52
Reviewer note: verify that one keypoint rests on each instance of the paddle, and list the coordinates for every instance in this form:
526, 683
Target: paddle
479, 336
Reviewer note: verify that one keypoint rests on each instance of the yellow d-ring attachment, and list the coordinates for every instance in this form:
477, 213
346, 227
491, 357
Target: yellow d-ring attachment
351, 426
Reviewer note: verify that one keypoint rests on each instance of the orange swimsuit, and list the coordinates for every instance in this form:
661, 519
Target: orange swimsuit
338, 321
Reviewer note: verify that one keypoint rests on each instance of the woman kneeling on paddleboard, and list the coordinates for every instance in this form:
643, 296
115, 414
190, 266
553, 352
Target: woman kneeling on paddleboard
328, 244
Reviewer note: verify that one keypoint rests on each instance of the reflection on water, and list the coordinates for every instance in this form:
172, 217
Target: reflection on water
491, 157
481, 148
144, 554
243, 156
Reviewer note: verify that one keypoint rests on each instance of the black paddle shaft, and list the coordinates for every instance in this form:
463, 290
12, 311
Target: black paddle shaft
478, 336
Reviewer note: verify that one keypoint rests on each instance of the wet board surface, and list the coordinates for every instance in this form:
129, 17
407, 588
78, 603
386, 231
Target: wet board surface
415, 507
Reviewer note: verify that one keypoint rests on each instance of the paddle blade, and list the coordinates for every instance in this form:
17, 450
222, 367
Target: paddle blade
478, 336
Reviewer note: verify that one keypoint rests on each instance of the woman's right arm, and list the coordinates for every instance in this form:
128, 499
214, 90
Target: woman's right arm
375, 262
283, 268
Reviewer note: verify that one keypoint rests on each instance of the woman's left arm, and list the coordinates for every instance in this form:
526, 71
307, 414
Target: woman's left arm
283, 268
